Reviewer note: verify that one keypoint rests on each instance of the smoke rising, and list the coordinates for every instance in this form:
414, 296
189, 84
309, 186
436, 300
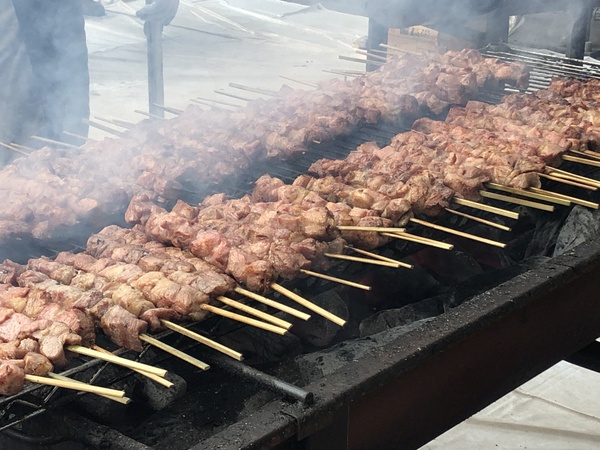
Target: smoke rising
433, 13
54, 35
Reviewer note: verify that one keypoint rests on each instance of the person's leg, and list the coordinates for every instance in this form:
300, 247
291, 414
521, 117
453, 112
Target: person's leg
19, 109
54, 31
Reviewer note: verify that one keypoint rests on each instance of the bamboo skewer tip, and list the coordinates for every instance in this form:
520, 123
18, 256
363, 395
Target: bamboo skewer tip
459, 233
335, 279
116, 360
308, 304
246, 320
202, 339
255, 312
420, 240
377, 256
160, 380
75, 385
272, 303
486, 208
375, 262
175, 352
479, 219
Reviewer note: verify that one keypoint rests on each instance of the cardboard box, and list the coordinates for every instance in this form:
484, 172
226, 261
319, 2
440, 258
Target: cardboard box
413, 39
420, 39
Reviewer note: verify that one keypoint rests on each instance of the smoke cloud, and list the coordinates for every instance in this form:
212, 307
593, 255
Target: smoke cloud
434, 13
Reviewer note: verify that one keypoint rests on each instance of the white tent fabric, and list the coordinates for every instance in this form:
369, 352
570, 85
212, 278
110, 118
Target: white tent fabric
557, 410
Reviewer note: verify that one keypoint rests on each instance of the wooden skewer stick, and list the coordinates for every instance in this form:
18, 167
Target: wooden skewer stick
479, 219
575, 180
227, 94
589, 154
459, 233
382, 258
575, 159
10, 147
104, 128
308, 304
574, 200
335, 279
169, 109
246, 320
117, 122
306, 83
255, 312
116, 360
273, 303
203, 340
419, 240
175, 352
487, 208
375, 262
52, 141
378, 52
266, 92
396, 49
144, 113
375, 229
220, 102
75, 385
78, 136
123, 400
209, 104
563, 173
529, 194
517, 201
372, 55
160, 380
360, 60
22, 147
345, 73
568, 181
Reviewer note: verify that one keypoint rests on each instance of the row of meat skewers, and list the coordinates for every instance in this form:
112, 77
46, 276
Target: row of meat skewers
47, 193
172, 264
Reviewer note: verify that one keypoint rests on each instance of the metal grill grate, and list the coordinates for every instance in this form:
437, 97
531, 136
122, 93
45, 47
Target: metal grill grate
35, 400
545, 66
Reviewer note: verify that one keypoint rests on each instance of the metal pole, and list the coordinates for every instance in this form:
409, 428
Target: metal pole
580, 31
156, 86
378, 34
267, 381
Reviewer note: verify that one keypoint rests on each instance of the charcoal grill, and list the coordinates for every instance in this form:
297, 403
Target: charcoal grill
402, 393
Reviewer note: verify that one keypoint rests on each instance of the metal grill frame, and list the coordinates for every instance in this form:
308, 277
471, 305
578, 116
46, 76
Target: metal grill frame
324, 416
409, 391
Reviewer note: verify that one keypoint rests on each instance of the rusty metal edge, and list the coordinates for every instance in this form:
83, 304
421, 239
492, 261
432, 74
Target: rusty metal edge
281, 425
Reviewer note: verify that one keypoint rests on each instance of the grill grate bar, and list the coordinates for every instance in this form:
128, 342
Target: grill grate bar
548, 67
544, 67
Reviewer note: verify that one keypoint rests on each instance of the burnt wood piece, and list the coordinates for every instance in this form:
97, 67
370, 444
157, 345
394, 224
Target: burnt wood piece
409, 391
